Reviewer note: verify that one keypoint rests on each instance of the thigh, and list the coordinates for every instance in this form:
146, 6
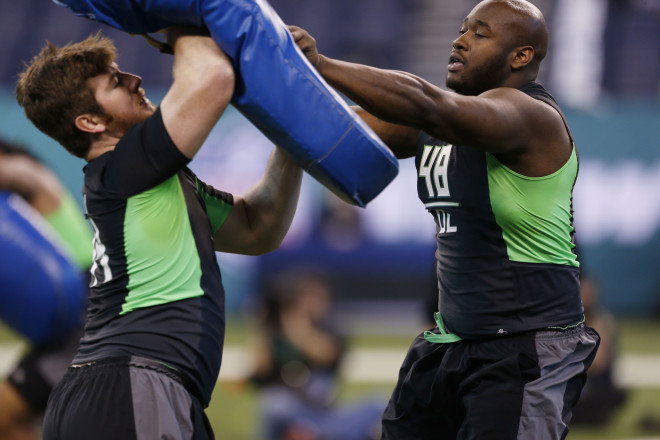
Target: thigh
121, 401
564, 358
492, 387
526, 386
91, 403
163, 408
418, 408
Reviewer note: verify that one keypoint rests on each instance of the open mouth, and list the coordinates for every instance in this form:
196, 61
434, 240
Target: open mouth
144, 102
455, 63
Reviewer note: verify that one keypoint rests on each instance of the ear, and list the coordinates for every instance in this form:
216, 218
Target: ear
90, 123
522, 56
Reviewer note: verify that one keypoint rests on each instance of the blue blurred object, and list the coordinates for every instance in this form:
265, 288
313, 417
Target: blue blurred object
42, 292
277, 89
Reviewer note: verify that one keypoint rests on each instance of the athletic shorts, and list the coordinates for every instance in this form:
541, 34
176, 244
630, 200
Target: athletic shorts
40, 369
128, 398
511, 387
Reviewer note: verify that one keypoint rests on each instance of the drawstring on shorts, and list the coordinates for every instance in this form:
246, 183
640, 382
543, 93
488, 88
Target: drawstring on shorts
444, 337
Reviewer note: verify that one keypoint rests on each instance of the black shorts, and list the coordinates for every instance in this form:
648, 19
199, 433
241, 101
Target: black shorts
128, 398
511, 387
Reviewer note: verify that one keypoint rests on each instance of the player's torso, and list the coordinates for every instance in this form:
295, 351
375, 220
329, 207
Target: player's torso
156, 289
505, 259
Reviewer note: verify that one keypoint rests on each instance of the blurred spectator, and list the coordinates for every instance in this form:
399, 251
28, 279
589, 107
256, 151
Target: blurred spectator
298, 355
24, 393
340, 226
601, 396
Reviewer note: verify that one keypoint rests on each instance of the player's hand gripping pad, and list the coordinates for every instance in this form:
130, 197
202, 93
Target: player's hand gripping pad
277, 89
42, 293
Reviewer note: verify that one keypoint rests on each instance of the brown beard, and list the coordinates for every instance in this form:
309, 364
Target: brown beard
118, 126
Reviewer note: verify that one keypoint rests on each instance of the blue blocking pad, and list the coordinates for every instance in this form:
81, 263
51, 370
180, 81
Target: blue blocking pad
277, 89
42, 293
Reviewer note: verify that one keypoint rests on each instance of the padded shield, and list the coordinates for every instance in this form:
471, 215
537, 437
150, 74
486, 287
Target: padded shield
277, 88
42, 293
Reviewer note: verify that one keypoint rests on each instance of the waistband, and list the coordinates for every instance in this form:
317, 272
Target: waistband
446, 337
149, 364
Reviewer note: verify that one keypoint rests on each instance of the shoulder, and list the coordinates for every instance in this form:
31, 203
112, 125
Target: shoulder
531, 104
508, 95
143, 158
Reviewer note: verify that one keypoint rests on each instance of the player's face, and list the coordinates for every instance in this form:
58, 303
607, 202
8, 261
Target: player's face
480, 56
122, 99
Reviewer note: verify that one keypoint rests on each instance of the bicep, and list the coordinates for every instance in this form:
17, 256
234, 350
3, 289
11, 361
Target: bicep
497, 121
235, 234
227, 215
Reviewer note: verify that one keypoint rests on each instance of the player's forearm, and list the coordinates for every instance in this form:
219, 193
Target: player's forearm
391, 95
271, 204
202, 89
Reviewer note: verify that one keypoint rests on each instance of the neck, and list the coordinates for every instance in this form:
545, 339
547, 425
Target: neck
103, 145
517, 82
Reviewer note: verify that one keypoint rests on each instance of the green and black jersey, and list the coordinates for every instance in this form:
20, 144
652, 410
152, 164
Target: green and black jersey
505, 247
156, 288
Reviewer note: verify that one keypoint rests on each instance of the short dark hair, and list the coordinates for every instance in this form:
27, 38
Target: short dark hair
53, 89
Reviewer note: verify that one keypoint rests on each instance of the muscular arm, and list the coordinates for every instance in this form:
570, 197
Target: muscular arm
261, 218
497, 121
202, 88
521, 130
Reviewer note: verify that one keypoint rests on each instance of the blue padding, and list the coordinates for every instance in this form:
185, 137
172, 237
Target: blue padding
277, 89
42, 293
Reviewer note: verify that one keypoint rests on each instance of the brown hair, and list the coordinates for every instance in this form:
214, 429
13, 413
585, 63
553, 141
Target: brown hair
53, 89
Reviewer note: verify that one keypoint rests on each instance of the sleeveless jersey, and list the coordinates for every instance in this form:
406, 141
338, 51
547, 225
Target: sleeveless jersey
505, 248
156, 289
